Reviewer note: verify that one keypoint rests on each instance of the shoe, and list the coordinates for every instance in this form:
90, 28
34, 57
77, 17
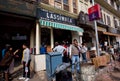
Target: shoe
10, 78
22, 78
27, 79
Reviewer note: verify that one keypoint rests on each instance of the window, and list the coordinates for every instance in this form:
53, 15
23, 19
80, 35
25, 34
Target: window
104, 19
65, 5
86, 0
74, 6
108, 20
118, 7
91, 1
45, 1
115, 22
112, 2
119, 23
81, 1
65, 1
74, 3
58, 4
106, 0
58, 0
101, 15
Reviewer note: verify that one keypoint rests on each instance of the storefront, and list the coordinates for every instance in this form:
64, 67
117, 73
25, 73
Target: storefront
52, 27
112, 38
55, 27
16, 23
118, 40
107, 36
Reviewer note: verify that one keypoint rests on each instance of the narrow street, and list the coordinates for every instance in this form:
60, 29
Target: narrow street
108, 73
63, 40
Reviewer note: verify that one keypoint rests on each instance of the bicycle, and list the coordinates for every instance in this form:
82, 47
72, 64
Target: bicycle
66, 68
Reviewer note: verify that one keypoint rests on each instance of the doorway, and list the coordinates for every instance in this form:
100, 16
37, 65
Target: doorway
15, 30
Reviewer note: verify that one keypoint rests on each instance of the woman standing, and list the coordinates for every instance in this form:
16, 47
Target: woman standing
7, 63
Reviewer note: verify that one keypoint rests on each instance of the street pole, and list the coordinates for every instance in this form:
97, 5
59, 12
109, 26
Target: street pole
96, 33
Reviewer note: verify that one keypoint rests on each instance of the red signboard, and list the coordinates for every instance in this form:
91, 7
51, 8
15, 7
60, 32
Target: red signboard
94, 12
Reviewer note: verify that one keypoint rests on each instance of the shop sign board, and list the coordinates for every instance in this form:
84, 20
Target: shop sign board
94, 12
18, 7
19, 37
55, 17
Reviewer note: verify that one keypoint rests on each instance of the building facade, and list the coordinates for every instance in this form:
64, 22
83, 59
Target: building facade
17, 19
48, 21
111, 18
56, 21
108, 26
37, 22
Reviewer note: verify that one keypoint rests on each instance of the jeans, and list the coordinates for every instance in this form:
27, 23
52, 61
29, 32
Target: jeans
28, 73
75, 58
84, 58
65, 59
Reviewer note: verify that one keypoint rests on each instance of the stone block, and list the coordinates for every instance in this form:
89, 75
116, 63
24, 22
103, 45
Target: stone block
88, 69
88, 72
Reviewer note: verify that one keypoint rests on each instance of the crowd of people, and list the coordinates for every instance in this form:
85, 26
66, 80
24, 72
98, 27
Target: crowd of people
74, 52
7, 62
71, 53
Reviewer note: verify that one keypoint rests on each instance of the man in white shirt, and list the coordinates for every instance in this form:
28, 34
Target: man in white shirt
105, 45
84, 50
26, 59
59, 48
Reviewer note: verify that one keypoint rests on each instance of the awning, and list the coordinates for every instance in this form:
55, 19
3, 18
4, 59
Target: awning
60, 25
111, 34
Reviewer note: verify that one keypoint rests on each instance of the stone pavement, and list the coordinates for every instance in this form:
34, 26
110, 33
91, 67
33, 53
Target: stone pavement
39, 76
109, 73
113, 76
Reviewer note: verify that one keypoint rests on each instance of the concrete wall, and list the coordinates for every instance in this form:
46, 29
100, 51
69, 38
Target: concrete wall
38, 62
76, 35
88, 73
